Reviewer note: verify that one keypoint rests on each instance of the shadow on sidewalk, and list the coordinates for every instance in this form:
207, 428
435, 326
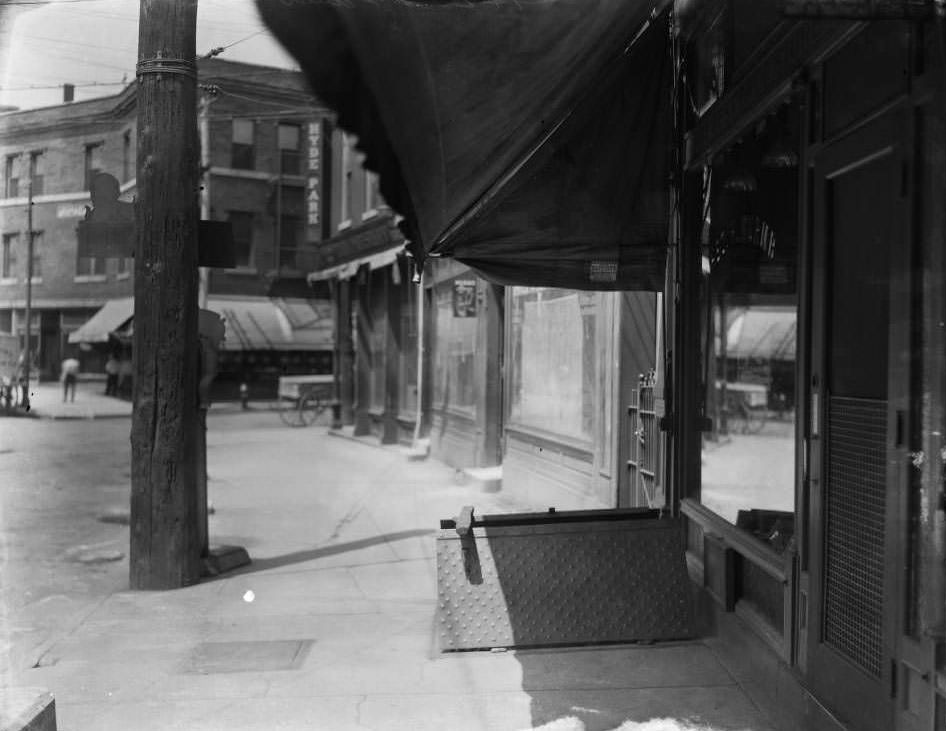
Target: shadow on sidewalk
588, 689
263, 564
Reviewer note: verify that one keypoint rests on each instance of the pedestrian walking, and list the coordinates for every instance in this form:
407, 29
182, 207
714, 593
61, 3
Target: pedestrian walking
69, 376
111, 375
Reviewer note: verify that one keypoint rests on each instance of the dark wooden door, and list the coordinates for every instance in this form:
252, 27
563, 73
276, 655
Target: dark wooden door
861, 245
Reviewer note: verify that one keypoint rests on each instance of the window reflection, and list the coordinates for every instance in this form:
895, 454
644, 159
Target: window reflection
750, 309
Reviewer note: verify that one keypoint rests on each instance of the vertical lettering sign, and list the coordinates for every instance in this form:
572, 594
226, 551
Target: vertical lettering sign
314, 182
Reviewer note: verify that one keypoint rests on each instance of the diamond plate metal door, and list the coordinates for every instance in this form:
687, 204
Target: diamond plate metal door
566, 581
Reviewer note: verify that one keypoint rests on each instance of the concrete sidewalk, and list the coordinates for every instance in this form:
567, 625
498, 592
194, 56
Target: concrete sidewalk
90, 402
332, 626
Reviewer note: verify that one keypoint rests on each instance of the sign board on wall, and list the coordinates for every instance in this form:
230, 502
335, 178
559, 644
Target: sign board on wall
314, 182
464, 298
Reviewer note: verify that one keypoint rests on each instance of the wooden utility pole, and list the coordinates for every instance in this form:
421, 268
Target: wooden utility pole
164, 535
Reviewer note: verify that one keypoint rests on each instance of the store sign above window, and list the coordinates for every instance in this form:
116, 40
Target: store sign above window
867, 9
464, 298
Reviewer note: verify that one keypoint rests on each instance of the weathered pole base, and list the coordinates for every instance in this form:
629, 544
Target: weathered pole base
221, 559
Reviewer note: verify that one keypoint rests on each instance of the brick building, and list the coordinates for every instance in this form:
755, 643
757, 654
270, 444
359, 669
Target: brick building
262, 172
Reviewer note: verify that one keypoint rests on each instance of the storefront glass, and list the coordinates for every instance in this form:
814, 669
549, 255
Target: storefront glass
749, 302
554, 360
455, 340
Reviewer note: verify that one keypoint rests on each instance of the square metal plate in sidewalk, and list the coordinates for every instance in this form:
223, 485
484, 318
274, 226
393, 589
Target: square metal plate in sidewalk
253, 656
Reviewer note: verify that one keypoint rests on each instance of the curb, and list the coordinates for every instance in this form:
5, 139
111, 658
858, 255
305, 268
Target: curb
80, 417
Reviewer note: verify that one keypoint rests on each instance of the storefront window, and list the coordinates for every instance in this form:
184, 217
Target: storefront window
554, 360
455, 345
749, 302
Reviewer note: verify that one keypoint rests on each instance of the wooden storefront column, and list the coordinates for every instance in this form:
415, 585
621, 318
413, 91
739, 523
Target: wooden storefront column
345, 351
391, 356
362, 308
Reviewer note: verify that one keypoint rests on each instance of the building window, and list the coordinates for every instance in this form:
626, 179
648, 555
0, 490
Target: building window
90, 266
126, 156
372, 195
93, 162
242, 224
552, 388
37, 255
37, 168
11, 183
345, 192
454, 378
289, 138
121, 266
242, 151
749, 316
290, 240
6, 321
8, 256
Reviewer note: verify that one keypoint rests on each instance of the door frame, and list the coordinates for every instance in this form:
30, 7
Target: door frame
888, 134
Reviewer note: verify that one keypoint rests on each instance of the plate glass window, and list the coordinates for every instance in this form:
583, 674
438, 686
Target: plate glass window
749, 314
554, 388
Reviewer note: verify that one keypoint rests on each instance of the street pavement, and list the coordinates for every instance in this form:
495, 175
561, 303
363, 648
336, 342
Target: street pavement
331, 626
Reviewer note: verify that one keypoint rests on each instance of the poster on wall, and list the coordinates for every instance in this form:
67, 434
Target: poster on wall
464, 298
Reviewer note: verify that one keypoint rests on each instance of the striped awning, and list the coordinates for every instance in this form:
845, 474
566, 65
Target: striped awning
110, 321
350, 268
252, 323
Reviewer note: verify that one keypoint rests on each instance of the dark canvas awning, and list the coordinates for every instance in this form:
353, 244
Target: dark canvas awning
527, 139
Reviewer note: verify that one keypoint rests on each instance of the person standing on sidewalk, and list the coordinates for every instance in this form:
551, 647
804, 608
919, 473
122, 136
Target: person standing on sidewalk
69, 376
111, 375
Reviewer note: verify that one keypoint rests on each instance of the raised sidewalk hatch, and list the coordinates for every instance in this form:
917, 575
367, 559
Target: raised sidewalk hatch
577, 577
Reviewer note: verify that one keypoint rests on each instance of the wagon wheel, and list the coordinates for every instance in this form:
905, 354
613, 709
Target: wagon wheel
309, 409
289, 412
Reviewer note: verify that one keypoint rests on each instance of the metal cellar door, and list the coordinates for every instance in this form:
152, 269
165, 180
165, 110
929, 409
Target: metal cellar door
859, 228
581, 577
